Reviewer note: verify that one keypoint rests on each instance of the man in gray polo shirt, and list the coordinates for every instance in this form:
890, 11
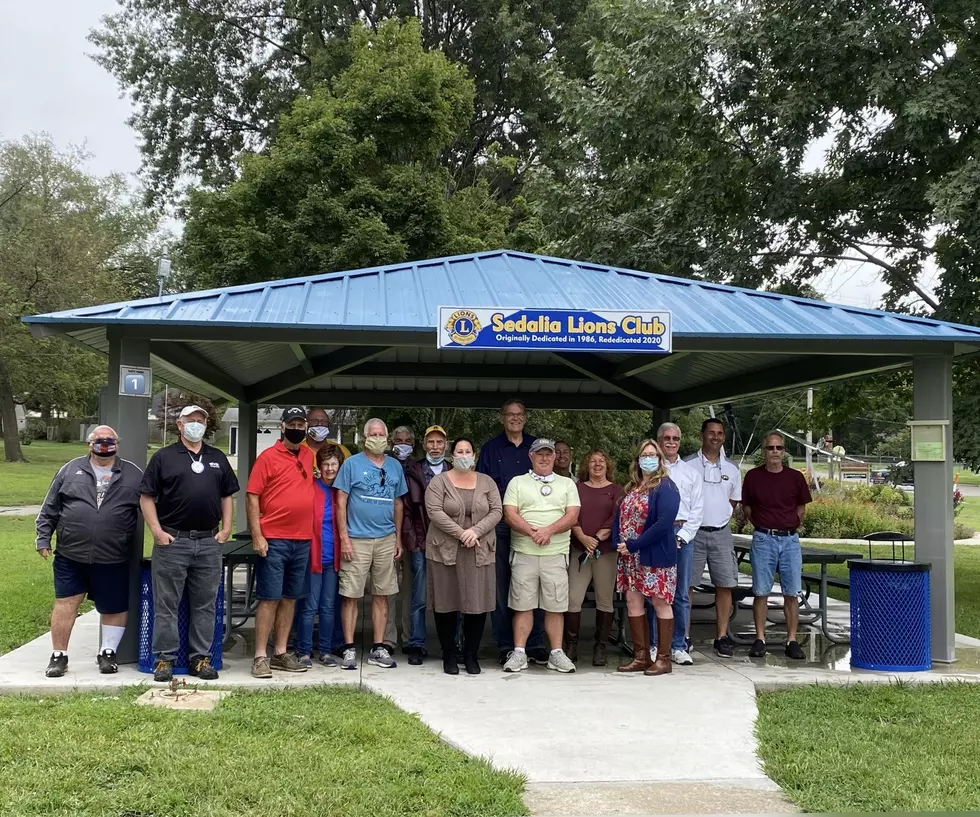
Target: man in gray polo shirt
713, 544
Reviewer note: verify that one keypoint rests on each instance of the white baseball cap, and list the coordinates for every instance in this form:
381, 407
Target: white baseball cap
190, 410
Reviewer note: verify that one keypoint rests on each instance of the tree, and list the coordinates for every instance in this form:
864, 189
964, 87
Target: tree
169, 411
66, 239
354, 178
211, 79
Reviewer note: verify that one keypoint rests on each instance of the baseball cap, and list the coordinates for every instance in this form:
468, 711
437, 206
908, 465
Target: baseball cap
190, 410
542, 443
293, 413
435, 430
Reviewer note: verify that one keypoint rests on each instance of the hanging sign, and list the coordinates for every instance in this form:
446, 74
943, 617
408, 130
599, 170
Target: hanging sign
135, 381
555, 330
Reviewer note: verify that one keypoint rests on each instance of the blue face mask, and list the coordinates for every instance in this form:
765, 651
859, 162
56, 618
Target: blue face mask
649, 464
434, 460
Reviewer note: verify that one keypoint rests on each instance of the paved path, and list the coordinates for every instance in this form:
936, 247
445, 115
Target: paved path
20, 510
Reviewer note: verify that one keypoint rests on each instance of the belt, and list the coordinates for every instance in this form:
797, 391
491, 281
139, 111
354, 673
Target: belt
773, 532
191, 534
710, 529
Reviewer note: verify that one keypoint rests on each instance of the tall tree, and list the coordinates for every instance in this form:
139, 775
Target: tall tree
66, 239
354, 177
212, 78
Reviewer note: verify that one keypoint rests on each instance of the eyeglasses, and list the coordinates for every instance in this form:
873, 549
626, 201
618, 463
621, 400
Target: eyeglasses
302, 470
671, 439
775, 448
518, 415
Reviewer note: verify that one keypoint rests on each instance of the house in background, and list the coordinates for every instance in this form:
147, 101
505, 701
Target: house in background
268, 428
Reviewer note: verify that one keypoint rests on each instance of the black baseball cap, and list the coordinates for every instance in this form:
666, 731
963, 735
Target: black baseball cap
293, 413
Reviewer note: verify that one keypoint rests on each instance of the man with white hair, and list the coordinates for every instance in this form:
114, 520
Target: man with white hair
369, 487
91, 508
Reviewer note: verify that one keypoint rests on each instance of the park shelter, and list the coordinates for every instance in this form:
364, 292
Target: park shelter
368, 338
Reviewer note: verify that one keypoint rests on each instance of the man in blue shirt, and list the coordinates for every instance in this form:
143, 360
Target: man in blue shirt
502, 458
369, 521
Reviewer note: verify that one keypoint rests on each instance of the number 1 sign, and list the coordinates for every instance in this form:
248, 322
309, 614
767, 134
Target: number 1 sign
135, 382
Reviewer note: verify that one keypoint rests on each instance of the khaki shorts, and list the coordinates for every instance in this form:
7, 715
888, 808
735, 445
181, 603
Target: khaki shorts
374, 559
538, 581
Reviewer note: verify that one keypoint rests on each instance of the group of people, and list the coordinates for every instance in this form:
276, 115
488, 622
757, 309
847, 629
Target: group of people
506, 530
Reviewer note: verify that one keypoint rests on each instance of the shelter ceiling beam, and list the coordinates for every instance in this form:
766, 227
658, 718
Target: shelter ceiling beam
633, 367
812, 346
466, 371
458, 399
190, 363
323, 366
304, 361
605, 373
819, 369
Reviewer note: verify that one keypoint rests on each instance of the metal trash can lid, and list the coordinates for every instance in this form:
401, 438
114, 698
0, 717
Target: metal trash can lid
888, 566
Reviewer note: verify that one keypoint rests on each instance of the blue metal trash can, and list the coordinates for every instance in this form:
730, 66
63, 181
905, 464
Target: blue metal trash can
890, 619
181, 665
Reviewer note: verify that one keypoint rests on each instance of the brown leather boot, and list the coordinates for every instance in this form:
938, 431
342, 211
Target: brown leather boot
665, 632
640, 633
603, 626
572, 623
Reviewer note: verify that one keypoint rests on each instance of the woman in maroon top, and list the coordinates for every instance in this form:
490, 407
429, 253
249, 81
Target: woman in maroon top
593, 558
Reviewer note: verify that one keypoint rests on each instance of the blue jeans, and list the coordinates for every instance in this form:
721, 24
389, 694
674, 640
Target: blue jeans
417, 637
771, 554
682, 600
322, 601
501, 618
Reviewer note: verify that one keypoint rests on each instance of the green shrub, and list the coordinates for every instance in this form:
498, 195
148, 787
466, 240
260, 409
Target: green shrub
65, 435
35, 428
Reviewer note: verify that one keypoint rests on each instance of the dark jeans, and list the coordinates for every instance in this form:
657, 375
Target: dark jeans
321, 602
196, 565
501, 618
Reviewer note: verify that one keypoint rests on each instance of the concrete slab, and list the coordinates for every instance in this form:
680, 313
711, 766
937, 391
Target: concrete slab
20, 510
182, 699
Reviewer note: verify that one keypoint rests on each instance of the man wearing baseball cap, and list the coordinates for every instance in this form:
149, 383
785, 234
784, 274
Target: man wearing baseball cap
279, 502
185, 497
541, 507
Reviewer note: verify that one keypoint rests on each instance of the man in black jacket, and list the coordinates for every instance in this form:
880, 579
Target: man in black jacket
91, 508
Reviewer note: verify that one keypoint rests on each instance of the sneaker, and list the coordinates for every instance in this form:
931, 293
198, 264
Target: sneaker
758, 649
306, 661
682, 657
163, 671
287, 662
516, 662
380, 657
349, 661
725, 647
57, 666
560, 662
794, 651
689, 642
538, 655
106, 661
201, 668
328, 659
261, 668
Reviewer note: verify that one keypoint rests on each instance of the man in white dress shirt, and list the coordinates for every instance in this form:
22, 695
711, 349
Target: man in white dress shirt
722, 489
688, 482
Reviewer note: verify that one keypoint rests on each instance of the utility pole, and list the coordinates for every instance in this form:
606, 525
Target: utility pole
809, 432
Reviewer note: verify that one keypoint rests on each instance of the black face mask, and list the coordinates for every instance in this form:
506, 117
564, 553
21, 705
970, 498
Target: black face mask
295, 435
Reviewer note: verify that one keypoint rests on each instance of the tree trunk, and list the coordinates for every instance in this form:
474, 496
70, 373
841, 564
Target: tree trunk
11, 439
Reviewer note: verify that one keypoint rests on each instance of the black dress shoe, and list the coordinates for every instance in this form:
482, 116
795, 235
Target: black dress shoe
57, 666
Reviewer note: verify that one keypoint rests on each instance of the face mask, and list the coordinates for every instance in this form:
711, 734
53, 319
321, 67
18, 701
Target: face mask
376, 445
464, 462
318, 433
294, 435
104, 447
649, 464
194, 432
434, 460
402, 450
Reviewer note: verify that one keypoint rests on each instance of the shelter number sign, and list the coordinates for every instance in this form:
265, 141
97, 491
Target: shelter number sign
565, 330
135, 382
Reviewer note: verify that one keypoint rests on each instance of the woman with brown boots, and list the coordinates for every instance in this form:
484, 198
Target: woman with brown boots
593, 557
644, 535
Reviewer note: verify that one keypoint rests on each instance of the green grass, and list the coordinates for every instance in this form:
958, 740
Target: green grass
26, 483
969, 512
968, 477
324, 751
873, 747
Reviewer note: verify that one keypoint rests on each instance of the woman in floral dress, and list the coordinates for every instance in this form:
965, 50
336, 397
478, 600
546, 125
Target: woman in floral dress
644, 536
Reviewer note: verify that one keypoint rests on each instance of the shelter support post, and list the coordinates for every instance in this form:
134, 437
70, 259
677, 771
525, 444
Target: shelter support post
658, 417
248, 428
933, 400
129, 416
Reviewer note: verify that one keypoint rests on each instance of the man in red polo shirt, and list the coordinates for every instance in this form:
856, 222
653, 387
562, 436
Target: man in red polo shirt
280, 518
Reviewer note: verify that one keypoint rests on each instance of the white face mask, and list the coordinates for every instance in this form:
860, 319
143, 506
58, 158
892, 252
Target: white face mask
318, 433
464, 462
402, 450
194, 432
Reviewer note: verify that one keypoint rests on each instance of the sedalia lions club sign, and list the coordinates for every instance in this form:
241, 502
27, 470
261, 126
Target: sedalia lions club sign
554, 330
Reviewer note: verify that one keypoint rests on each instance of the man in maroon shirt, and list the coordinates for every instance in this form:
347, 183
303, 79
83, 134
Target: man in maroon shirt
775, 499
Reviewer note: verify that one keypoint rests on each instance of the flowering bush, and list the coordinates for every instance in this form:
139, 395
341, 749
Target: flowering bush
957, 501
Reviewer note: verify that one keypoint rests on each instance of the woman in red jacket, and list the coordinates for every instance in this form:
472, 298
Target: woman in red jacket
323, 600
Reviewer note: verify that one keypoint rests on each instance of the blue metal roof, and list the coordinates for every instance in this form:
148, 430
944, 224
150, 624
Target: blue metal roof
405, 297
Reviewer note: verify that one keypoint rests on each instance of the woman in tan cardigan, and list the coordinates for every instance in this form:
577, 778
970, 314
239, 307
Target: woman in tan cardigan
464, 508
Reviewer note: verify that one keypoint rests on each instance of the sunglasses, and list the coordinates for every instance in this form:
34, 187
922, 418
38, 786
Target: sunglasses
381, 479
775, 448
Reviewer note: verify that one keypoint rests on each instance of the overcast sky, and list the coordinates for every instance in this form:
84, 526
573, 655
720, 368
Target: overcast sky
48, 83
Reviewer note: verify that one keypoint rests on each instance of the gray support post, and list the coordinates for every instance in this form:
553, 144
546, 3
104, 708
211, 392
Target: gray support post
128, 416
248, 427
933, 400
658, 417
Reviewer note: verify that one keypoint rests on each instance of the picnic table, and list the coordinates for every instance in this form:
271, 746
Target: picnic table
237, 552
824, 558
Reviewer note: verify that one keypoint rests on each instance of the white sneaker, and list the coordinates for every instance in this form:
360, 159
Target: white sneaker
682, 657
516, 662
350, 659
560, 662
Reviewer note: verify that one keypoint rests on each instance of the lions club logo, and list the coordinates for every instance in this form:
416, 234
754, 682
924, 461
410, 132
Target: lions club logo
463, 327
